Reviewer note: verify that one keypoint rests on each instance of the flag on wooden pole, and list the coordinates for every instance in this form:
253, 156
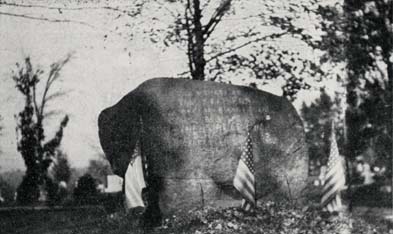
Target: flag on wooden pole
334, 178
244, 180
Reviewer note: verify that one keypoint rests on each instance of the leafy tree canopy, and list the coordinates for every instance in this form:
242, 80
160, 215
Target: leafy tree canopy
61, 167
359, 34
99, 169
257, 41
36, 152
317, 119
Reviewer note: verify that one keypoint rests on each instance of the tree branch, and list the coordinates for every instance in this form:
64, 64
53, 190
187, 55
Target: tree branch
53, 75
190, 43
51, 113
181, 74
46, 19
216, 18
131, 14
35, 101
167, 9
56, 95
43, 100
211, 27
205, 4
50, 146
274, 35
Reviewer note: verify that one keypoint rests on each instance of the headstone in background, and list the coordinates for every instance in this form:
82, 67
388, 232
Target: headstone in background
101, 188
367, 174
43, 194
115, 184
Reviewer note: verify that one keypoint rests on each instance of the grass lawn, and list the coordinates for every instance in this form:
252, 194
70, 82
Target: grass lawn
65, 220
269, 218
367, 217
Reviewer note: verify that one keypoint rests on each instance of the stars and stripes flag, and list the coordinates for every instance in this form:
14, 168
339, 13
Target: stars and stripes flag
334, 178
244, 180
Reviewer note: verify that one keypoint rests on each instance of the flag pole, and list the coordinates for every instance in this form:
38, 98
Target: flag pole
346, 153
250, 129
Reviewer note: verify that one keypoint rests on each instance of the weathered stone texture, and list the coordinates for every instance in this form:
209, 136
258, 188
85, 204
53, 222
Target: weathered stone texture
193, 133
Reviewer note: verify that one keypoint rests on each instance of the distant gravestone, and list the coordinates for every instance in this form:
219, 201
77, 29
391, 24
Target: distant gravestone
114, 184
367, 174
192, 134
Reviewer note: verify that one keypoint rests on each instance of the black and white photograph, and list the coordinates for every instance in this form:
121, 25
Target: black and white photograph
196, 116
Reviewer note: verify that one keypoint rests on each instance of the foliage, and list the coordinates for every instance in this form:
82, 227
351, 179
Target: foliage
375, 121
371, 196
13, 178
357, 32
52, 189
317, 119
28, 191
197, 34
6, 191
59, 174
224, 39
369, 26
99, 169
360, 34
371, 121
370, 79
61, 168
36, 153
86, 190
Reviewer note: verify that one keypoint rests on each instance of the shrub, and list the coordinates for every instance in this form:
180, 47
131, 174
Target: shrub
86, 192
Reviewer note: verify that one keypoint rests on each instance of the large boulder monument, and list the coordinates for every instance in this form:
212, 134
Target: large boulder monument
192, 133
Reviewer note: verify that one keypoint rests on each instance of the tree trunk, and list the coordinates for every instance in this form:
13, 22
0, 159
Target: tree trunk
389, 90
198, 45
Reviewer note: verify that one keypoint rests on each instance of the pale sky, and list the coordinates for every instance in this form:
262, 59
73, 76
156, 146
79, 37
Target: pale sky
100, 72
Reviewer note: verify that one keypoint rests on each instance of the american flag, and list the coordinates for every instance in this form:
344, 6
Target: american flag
334, 179
134, 180
244, 180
